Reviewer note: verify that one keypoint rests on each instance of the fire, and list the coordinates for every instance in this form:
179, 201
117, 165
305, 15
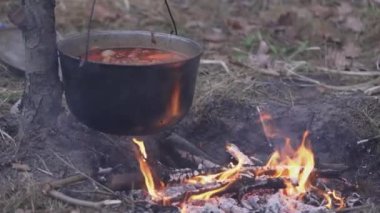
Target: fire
175, 100
297, 165
269, 131
228, 176
294, 165
174, 105
145, 169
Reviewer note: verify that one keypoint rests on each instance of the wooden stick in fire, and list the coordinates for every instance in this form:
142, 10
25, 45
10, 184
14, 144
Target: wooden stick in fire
262, 122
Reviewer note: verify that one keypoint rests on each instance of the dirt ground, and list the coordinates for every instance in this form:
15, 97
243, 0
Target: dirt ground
262, 43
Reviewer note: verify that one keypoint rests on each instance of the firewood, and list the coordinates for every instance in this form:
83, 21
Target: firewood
180, 175
184, 191
263, 183
186, 150
235, 152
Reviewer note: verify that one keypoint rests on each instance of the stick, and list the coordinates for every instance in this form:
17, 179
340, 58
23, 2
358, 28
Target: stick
186, 150
198, 160
376, 138
82, 173
352, 73
263, 127
262, 183
355, 209
179, 193
74, 201
180, 175
56, 184
6, 135
372, 90
235, 152
218, 62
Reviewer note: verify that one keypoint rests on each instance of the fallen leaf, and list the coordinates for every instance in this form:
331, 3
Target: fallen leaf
337, 60
263, 48
344, 9
354, 24
21, 167
216, 35
326, 31
287, 19
236, 23
351, 50
194, 24
103, 12
261, 60
239, 25
321, 11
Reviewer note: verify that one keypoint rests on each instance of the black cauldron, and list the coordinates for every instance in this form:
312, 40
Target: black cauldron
129, 99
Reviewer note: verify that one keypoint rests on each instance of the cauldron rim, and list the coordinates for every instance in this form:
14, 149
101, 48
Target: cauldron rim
69, 38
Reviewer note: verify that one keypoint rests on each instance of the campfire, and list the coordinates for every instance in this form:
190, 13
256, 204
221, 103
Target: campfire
288, 182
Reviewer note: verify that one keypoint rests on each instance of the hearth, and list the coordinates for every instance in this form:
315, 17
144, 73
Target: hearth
290, 181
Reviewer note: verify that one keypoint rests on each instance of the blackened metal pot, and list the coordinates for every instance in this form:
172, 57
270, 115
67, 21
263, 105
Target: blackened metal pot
129, 99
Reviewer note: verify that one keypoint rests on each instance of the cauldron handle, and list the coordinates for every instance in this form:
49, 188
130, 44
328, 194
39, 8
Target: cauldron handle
88, 33
90, 22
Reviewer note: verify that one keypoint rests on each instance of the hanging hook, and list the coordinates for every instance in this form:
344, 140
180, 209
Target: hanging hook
171, 17
88, 33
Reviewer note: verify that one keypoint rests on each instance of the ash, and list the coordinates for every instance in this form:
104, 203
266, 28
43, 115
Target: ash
268, 203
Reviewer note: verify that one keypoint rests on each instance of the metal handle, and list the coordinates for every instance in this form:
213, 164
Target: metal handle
88, 33
90, 22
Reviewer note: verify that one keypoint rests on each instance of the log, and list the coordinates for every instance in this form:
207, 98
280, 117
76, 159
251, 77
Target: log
178, 147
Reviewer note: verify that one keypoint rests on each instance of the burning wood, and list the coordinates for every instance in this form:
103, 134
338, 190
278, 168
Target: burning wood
289, 174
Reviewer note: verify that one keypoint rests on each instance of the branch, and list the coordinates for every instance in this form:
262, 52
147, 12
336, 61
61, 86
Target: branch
49, 189
74, 201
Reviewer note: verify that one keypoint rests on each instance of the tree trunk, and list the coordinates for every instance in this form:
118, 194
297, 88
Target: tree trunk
41, 102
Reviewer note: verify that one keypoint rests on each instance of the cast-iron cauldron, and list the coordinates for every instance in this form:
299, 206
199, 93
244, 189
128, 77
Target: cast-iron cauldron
129, 99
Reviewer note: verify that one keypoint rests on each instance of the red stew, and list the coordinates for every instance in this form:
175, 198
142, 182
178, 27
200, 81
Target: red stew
135, 56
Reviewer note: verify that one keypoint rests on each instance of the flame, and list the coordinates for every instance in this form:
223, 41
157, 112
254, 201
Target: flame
175, 100
145, 169
174, 106
269, 131
296, 165
334, 198
228, 176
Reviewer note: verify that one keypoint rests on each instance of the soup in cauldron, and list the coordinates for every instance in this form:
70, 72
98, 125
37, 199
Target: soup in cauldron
134, 56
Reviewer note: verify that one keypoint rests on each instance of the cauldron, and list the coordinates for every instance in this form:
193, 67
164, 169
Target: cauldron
129, 99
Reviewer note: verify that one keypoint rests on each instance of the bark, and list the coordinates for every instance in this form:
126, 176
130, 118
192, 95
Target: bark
41, 103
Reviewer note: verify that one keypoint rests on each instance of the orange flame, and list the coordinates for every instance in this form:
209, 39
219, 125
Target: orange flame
294, 165
297, 165
229, 176
174, 105
269, 131
175, 100
145, 169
